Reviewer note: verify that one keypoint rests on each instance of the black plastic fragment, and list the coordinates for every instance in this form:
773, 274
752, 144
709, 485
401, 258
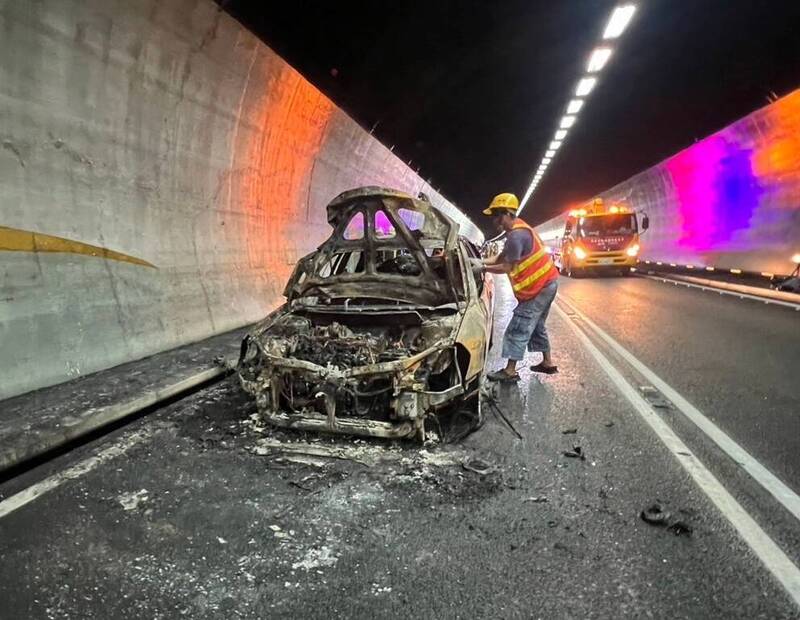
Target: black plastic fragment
575, 453
680, 528
654, 515
477, 466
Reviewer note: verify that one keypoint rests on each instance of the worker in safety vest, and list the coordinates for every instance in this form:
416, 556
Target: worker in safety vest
534, 279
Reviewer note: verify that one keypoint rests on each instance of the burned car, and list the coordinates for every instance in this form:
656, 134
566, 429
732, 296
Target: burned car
384, 326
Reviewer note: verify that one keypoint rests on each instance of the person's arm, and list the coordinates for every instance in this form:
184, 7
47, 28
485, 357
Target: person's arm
499, 268
504, 262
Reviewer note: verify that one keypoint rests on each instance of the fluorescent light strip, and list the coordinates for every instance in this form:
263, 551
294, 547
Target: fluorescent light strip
619, 20
598, 59
574, 106
617, 23
585, 86
568, 121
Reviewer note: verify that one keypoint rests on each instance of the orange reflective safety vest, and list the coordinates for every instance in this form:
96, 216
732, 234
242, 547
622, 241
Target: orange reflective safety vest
533, 271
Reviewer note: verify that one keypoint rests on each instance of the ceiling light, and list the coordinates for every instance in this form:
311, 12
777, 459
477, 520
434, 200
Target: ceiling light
525, 199
561, 134
585, 86
619, 20
550, 153
574, 106
598, 59
567, 122
555, 144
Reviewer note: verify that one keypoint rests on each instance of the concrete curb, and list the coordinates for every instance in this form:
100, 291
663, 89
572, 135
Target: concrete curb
89, 421
767, 295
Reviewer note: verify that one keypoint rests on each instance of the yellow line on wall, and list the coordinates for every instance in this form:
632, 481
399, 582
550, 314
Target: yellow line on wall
17, 240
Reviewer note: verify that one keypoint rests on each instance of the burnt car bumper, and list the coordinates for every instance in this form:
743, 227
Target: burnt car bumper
343, 401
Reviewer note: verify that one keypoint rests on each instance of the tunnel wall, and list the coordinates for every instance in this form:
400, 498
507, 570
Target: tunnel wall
731, 200
161, 171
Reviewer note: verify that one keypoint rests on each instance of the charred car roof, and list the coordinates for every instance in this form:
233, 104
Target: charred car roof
385, 245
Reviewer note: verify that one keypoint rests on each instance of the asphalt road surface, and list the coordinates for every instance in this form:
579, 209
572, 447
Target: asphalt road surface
200, 511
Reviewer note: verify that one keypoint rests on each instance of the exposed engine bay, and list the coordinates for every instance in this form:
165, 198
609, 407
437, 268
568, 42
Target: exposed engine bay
378, 332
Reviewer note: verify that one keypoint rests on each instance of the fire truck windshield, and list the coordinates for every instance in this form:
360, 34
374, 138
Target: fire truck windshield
611, 224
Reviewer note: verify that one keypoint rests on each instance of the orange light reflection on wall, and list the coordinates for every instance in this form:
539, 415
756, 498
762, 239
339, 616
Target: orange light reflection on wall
290, 118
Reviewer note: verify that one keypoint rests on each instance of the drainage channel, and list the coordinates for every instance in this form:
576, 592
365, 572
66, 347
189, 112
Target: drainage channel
129, 413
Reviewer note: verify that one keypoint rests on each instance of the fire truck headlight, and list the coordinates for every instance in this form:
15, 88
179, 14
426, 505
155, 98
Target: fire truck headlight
580, 253
633, 250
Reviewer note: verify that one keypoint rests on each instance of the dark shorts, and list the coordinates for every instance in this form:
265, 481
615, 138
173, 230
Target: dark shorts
527, 326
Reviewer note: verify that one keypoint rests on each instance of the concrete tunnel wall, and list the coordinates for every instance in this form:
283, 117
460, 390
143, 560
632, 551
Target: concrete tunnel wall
729, 201
161, 171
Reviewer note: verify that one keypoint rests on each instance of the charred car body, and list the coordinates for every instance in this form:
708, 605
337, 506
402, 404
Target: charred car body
384, 325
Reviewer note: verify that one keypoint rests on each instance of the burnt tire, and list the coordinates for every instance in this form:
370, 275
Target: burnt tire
460, 421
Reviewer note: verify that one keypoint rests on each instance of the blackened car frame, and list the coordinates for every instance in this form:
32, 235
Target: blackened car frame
384, 325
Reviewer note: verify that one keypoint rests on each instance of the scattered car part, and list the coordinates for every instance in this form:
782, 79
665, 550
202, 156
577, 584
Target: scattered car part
501, 416
680, 528
478, 466
654, 515
575, 453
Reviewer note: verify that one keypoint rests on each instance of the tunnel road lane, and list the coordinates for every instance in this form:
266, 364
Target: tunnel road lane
735, 360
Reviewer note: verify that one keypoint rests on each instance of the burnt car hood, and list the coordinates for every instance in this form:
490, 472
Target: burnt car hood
355, 372
351, 343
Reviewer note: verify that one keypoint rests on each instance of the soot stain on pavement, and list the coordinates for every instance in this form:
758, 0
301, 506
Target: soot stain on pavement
316, 502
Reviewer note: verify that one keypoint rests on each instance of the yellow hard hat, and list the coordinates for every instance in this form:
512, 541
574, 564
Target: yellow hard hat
506, 201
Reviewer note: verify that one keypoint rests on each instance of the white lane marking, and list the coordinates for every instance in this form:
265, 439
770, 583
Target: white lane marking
773, 558
35, 491
710, 289
788, 498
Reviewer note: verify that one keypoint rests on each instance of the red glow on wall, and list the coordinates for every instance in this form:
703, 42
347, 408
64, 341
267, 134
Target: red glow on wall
285, 127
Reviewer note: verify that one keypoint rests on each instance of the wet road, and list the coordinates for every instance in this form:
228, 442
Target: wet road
737, 360
197, 513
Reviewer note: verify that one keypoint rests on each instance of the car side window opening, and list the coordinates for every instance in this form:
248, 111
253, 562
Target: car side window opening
412, 219
355, 228
341, 263
384, 229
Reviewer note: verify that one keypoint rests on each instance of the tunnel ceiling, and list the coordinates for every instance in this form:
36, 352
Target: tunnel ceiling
471, 91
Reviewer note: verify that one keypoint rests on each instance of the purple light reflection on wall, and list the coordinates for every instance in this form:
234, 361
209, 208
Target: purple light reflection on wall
716, 192
731, 201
